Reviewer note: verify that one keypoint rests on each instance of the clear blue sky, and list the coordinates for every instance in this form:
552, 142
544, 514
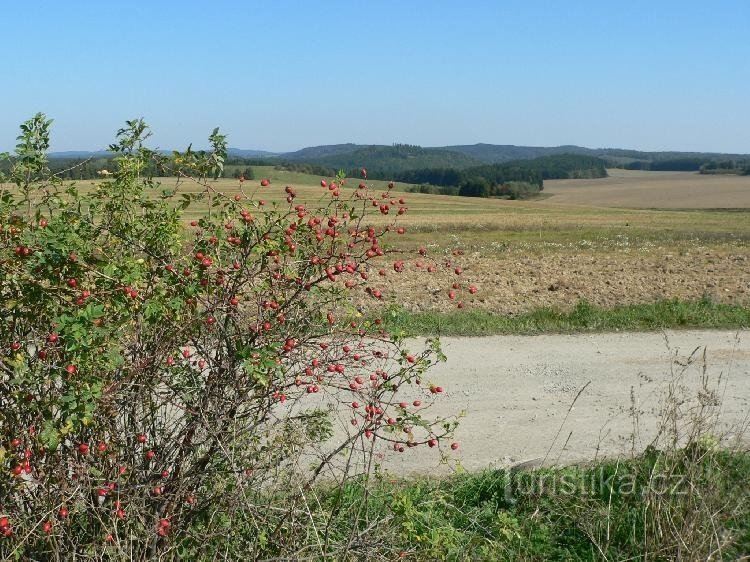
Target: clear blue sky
280, 75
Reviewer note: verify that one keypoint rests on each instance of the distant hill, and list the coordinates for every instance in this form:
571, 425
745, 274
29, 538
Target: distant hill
80, 154
392, 160
664, 154
478, 153
397, 158
83, 154
500, 153
325, 151
668, 160
250, 153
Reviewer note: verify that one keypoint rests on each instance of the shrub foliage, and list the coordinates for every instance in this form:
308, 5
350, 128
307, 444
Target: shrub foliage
162, 383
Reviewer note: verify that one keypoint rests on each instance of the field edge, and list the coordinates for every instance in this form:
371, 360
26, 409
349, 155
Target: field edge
582, 318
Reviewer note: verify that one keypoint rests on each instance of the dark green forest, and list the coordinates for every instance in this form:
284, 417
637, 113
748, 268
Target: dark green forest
518, 179
614, 157
692, 164
566, 166
390, 161
740, 167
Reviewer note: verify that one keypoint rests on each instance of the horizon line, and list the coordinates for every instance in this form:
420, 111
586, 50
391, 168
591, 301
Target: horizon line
445, 147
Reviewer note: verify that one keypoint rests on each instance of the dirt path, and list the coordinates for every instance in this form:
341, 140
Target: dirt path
517, 390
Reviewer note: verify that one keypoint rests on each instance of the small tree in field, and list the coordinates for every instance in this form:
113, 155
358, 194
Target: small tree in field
474, 187
173, 388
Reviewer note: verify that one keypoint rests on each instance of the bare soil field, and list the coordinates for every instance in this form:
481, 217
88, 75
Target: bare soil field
516, 392
522, 279
637, 189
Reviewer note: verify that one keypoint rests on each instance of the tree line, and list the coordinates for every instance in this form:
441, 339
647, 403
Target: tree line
520, 179
739, 167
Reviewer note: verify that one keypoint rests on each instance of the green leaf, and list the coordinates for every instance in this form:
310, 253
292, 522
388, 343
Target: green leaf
50, 436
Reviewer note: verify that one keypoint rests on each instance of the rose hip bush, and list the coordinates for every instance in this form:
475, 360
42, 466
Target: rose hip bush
173, 389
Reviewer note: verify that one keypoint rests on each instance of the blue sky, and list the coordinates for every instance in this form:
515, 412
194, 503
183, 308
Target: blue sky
281, 75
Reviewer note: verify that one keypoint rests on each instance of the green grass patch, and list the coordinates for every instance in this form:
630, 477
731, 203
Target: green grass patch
584, 317
612, 510
690, 503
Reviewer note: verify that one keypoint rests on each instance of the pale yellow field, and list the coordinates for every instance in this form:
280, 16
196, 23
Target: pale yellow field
572, 210
653, 190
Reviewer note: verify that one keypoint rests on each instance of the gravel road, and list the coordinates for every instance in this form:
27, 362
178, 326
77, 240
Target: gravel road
517, 391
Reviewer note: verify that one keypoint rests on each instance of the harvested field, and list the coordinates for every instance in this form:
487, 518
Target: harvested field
637, 189
518, 280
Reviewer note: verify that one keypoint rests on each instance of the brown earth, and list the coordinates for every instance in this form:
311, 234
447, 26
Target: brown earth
519, 280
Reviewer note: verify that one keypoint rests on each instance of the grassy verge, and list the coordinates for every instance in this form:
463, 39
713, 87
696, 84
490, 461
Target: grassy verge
678, 504
608, 510
584, 317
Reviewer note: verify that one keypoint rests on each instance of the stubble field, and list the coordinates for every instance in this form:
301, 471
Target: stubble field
654, 190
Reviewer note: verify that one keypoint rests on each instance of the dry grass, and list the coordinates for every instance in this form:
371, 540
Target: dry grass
575, 209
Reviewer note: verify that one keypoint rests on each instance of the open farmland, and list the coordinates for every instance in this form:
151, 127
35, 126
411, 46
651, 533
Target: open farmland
581, 242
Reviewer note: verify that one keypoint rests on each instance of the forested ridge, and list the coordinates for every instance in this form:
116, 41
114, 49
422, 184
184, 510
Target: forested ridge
447, 166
